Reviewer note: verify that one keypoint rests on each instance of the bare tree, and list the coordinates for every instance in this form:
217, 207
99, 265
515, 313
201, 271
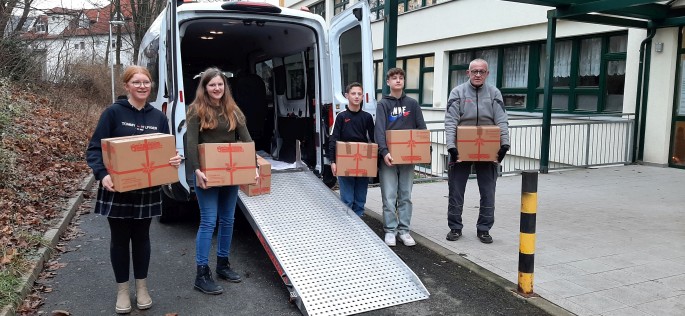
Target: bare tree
6, 8
24, 15
143, 13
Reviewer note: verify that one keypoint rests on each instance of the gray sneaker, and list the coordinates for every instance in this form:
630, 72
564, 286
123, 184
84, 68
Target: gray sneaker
390, 239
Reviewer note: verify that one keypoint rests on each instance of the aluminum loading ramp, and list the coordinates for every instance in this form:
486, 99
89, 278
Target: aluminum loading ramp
330, 260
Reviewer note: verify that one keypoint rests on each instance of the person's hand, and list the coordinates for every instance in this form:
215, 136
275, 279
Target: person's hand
454, 156
388, 160
175, 160
256, 177
107, 183
200, 179
502, 152
334, 169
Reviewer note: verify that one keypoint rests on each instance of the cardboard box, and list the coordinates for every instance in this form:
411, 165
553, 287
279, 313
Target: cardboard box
227, 163
354, 159
478, 143
411, 146
263, 186
139, 161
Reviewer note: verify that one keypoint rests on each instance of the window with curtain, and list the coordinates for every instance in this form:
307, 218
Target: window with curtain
515, 67
590, 62
489, 55
562, 64
615, 84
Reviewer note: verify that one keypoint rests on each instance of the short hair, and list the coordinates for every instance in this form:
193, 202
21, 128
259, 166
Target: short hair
394, 71
132, 70
479, 61
352, 85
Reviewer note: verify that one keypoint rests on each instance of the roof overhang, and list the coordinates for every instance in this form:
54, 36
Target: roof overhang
624, 13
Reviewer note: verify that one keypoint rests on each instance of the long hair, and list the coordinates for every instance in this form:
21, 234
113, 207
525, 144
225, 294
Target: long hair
208, 113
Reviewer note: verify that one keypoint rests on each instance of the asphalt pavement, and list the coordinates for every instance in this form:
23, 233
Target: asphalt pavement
85, 285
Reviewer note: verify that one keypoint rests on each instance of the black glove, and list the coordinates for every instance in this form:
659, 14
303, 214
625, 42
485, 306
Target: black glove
502, 152
454, 154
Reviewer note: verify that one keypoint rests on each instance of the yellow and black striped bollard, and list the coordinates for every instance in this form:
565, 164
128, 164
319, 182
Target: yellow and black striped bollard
529, 204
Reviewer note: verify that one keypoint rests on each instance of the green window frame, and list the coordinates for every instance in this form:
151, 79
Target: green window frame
318, 8
339, 6
676, 151
600, 91
419, 78
403, 6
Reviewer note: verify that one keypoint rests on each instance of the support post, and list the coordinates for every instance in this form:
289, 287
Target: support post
529, 204
549, 84
389, 40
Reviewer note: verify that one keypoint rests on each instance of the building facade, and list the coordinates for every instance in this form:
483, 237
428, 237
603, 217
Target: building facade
596, 69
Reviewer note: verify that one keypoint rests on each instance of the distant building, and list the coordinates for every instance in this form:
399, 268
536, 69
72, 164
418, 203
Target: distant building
596, 69
62, 38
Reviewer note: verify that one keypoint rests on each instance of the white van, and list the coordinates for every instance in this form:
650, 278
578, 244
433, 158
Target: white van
287, 71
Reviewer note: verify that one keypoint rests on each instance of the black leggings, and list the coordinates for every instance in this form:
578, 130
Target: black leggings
137, 233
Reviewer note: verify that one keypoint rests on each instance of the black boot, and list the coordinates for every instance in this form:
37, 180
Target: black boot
223, 270
204, 282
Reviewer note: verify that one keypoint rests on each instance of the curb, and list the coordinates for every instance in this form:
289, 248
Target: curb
507, 285
51, 236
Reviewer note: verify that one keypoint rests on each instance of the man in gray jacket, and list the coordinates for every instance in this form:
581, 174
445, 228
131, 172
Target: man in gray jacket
474, 103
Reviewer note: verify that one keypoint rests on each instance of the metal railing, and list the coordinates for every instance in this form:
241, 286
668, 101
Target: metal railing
575, 142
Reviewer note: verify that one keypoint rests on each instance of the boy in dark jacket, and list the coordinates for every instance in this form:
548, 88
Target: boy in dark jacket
352, 125
396, 112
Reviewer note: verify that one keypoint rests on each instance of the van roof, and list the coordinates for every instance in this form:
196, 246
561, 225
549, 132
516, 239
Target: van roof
216, 6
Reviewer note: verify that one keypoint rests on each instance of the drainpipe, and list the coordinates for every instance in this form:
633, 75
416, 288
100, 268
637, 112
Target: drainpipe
641, 96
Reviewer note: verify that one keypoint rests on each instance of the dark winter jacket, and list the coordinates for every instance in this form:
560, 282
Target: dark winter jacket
122, 119
396, 114
351, 127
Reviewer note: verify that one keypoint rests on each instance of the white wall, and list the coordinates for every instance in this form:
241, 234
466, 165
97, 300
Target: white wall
661, 92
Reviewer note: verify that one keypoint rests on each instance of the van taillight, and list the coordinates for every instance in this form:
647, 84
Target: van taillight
180, 96
330, 116
247, 6
164, 105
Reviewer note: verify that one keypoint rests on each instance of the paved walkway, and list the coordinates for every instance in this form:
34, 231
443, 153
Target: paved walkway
610, 241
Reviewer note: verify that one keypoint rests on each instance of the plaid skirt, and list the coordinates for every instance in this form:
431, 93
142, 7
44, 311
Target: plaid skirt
137, 204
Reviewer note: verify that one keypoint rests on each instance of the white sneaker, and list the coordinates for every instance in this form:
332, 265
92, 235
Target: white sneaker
407, 240
390, 239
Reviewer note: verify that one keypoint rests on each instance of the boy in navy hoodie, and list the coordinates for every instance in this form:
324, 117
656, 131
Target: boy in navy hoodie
352, 125
396, 112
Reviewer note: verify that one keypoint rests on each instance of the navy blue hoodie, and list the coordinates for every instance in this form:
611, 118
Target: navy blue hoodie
122, 119
396, 114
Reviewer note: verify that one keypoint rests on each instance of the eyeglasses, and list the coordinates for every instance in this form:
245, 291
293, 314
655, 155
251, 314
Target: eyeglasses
139, 84
478, 72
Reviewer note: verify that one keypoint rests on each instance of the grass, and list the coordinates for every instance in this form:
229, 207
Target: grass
11, 273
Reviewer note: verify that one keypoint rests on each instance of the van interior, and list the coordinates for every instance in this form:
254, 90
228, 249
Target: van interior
271, 69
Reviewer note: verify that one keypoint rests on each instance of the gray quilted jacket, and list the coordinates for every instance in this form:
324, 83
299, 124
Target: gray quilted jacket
471, 106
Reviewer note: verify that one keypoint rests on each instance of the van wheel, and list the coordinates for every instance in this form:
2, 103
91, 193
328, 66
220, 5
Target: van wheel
328, 178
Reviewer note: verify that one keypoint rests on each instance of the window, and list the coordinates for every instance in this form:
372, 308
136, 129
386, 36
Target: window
351, 56
377, 6
318, 8
588, 76
150, 60
339, 6
418, 80
294, 71
41, 26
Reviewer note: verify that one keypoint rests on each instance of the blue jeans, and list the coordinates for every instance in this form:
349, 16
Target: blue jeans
353, 192
458, 174
396, 184
215, 201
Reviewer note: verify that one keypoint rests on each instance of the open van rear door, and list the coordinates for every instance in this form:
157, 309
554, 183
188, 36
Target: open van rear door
351, 52
174, 81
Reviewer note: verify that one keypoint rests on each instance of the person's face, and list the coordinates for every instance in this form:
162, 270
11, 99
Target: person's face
355, 96
477, 74
138, 87
215, 88
395, 82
